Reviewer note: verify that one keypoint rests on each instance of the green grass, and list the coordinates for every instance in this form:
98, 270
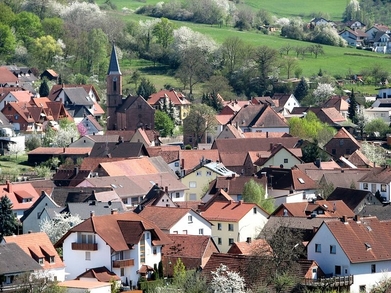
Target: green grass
336, 61
304, 8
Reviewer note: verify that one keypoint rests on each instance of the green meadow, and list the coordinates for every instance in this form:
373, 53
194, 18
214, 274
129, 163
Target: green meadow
336, 61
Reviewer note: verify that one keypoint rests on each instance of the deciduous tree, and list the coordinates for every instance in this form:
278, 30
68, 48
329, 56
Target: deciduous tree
8, 41
163, 31
226, 281
323, 91
377, 127
201, 119
55, 228
254, 192
163, 123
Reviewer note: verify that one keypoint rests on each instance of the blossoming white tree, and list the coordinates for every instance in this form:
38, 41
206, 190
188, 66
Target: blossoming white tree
226, 281
322, 92
55, 228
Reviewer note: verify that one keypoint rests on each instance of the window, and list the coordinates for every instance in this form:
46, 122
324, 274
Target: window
333, 249
373, 268
199, 173
51, 259
147, 235
255, 210
337, 270
176, 164
40, 260
155, 250
341, 142
193, 184
333, 151
184, 232
318, 248
314, 270
201, 231
193, 196
218, 226
208, 173
122, 272
230, 227
139, 107
219, 242
190, 219
383, 187
174, 232
285, 161
230, 241
363, 288
177, 195
373, 188
365, 186
88, 255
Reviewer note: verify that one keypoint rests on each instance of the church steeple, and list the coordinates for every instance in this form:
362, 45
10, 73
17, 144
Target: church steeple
113, 90
113, 66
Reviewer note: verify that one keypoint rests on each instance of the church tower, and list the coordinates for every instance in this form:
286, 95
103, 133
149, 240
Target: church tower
113, 90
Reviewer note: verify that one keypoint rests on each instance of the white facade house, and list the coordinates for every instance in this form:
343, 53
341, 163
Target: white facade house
379, 179
372, 113
358, 248
126, 244
234, 222
174, 220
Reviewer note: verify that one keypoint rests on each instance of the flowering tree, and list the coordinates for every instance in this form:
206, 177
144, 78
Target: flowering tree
184, 38
226, 281
55, 228
374, 153
82, 129
322, 92
16, 149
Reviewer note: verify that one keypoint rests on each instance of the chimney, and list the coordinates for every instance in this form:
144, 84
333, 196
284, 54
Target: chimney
43, 193
76, 170
315, 229
248, 240
166, 189
63, 149
233, 175
240, 202
267, 134
9, 186
271, 146
344, 219
92, 213
182, 163
93, 194
114, 211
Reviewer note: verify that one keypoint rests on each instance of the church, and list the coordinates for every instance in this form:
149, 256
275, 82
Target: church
128, 113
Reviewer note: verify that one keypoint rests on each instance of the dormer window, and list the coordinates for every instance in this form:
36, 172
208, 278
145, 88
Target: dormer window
40, 260
51, 259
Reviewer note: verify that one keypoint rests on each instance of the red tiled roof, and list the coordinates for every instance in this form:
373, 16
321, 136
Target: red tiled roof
223, 119
102, 274
120, 231
251, 248
177, 98
58, 151
12, 189
189, 159
366, 240
7, 76
227, 211
37, 244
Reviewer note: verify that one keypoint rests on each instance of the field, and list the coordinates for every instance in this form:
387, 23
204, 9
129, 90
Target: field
336, 61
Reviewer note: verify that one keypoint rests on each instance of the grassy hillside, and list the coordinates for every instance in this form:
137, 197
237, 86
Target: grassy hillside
289, 8
336, 61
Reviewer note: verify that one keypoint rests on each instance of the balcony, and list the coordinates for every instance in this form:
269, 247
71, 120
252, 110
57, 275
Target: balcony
123, 263
84, 246
329, 282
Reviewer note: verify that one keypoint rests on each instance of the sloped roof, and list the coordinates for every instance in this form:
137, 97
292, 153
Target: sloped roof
250, 248
378, 175
7, 77
189, 159
119, 231
59, 151
43, 196
118, 149
84, 209
187, 246
176, 98
14, 260
235, 185
337, 102
169, 153
102, 274
360, 160
224, 119
164, 217
228, 211
78, 96
232, 145
351, 197
369, 236
64, 195
40, 243
17, 192
93, 121
334, 209
129, 101
22, 96
258, 116
113, 65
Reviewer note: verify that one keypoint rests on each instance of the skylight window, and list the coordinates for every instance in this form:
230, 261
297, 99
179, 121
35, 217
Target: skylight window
367, 245
301, 180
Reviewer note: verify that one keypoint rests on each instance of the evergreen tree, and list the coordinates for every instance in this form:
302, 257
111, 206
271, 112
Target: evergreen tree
8, 222
301, 89
44, 88
146, 88
352, 108
212, 100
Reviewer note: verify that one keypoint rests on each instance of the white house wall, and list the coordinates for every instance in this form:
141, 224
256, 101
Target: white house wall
183, 226
251, 225
31, 223
75, 259
373, 187
368, 280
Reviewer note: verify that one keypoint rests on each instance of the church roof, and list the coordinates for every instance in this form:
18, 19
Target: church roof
113, 66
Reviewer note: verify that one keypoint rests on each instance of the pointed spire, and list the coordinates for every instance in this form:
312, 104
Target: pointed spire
113, 66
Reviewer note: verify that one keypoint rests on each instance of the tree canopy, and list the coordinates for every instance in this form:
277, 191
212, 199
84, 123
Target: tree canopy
254, 192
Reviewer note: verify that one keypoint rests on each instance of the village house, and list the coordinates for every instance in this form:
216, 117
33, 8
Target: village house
364, 264
41, 250
377, 181
342, 144
234, 221
126, 243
